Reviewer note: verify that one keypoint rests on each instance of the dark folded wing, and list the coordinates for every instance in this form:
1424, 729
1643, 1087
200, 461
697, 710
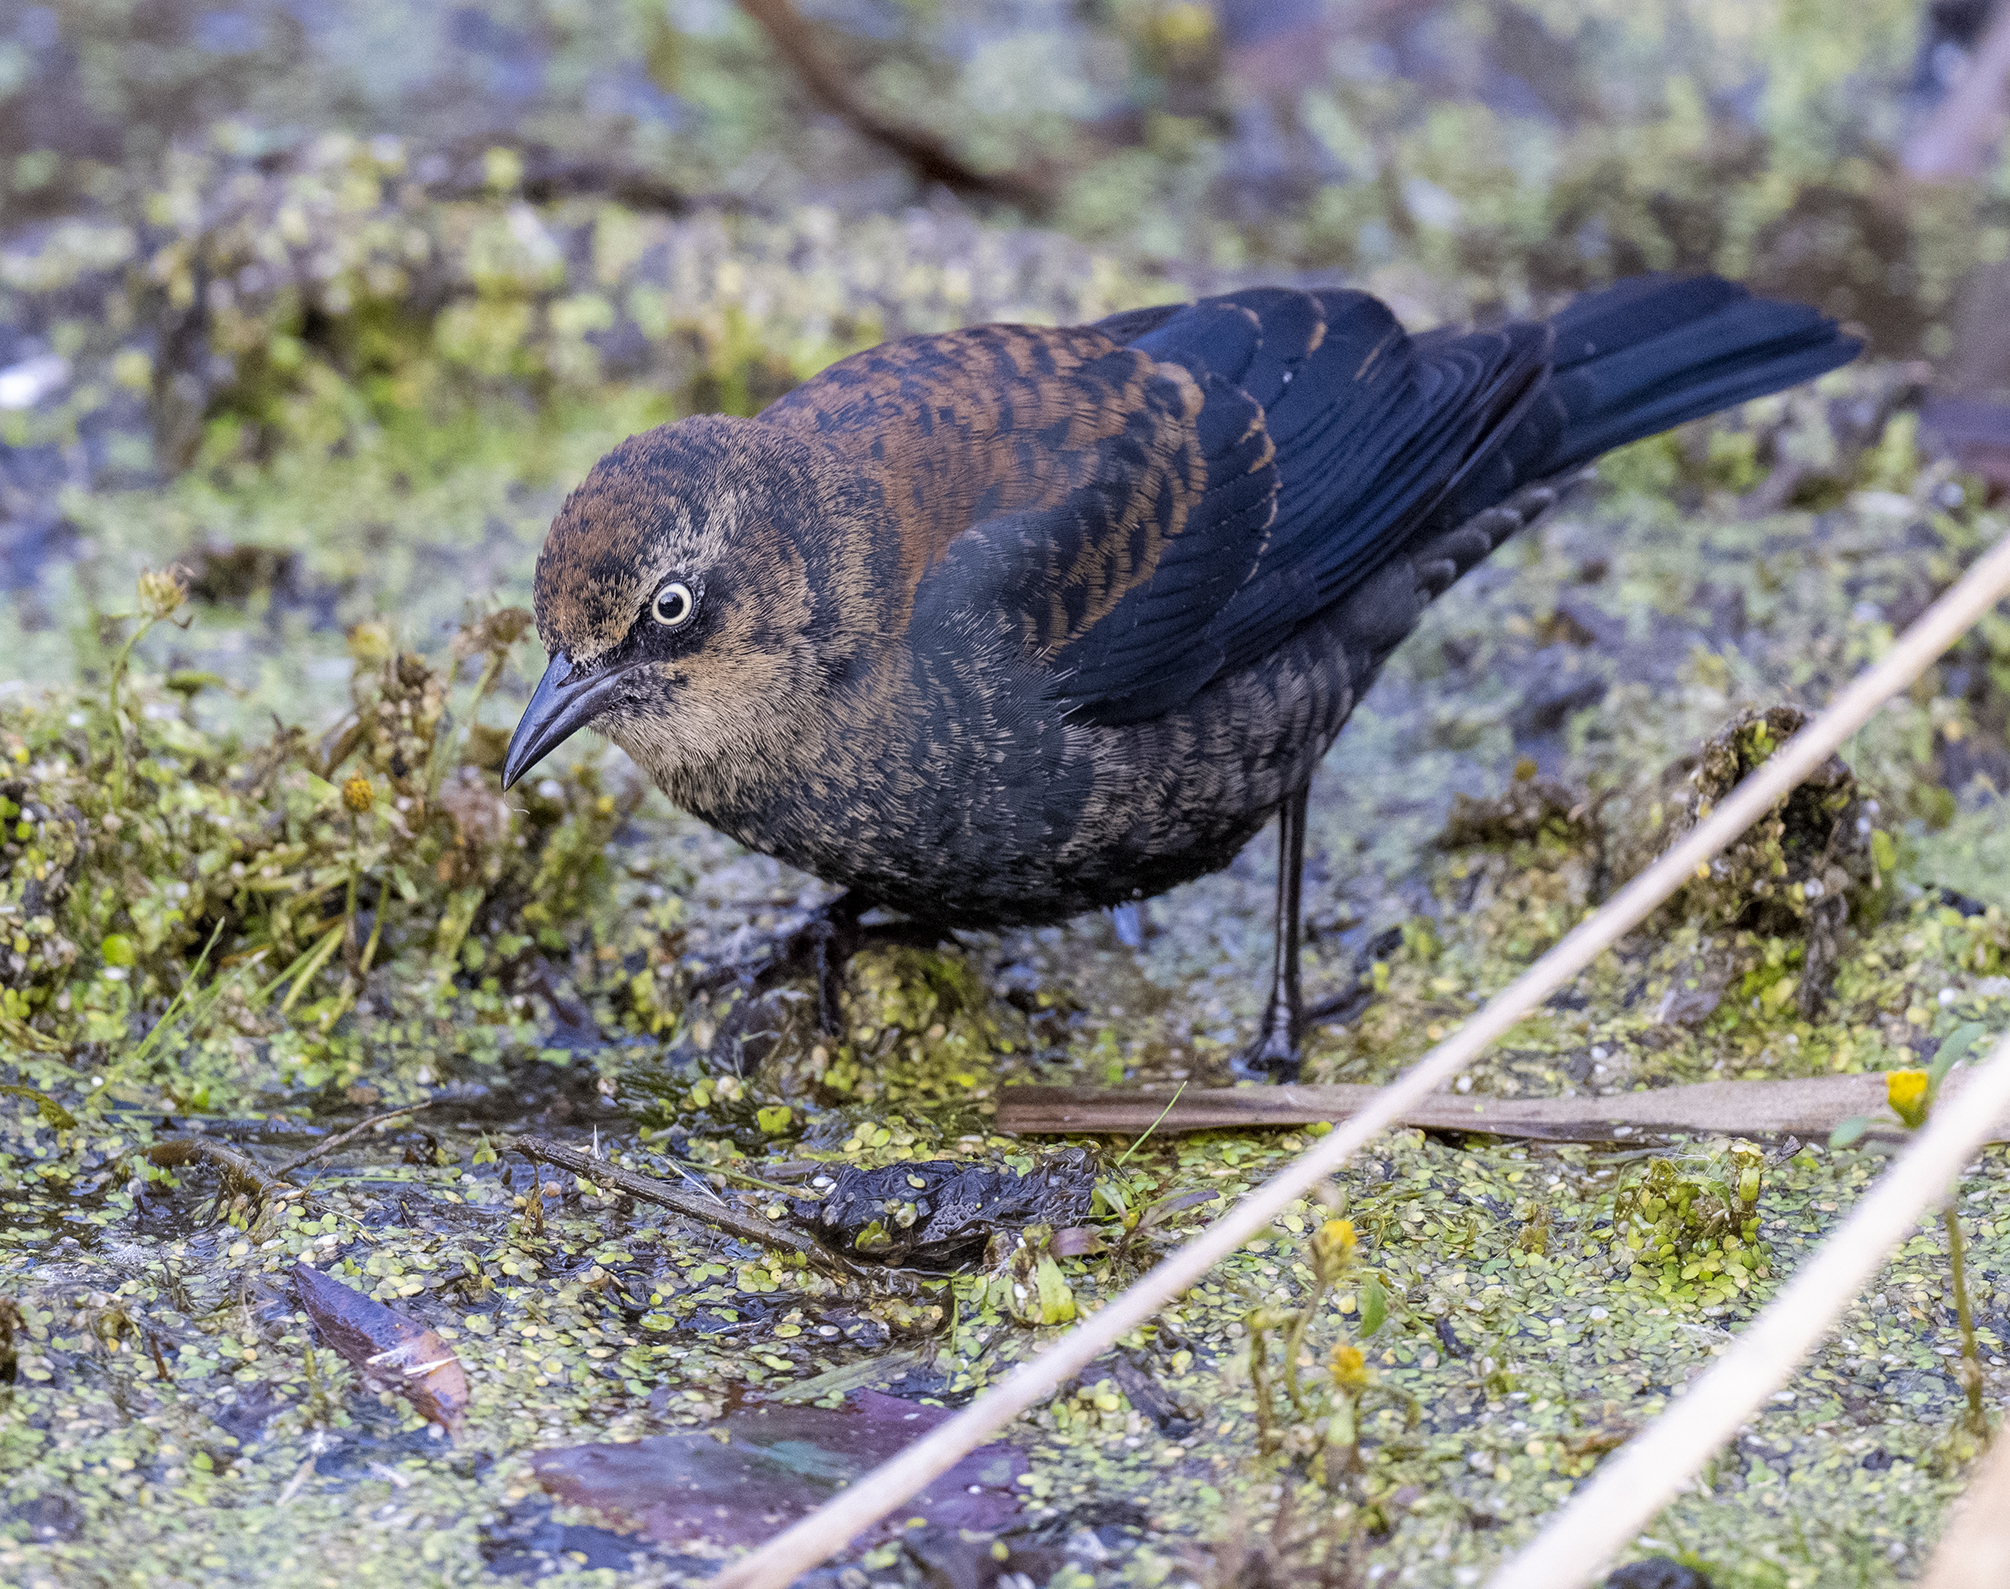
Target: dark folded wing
1148, 503
1438, 444
1370, 427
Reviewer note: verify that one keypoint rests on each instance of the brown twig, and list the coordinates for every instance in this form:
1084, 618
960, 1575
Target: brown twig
548, 176
241, 1168
321, 1150
749, 1227
1805, 1107
547, 181
247, 1172
928, 156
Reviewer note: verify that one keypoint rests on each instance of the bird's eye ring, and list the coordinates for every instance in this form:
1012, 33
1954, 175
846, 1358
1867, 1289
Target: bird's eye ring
674, 605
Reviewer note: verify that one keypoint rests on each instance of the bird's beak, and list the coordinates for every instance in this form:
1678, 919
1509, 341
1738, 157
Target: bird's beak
562, 704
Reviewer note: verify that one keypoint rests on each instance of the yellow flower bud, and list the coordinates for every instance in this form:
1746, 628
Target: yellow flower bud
1350, 1368
370, 642
357, 794
162, 592
1905, 1091
1334, 1245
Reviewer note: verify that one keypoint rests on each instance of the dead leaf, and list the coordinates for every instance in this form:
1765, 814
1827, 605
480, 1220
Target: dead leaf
1174, 1205
1077, 1241
386, 1348
760, 1468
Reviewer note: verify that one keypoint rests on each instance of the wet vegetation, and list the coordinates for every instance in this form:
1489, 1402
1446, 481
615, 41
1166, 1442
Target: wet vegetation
309, 345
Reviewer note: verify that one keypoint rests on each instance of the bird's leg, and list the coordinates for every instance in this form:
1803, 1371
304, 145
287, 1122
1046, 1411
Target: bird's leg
835, 936
1274, 1055
822, 947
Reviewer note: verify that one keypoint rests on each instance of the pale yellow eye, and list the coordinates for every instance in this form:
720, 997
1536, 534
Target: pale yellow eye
674, 605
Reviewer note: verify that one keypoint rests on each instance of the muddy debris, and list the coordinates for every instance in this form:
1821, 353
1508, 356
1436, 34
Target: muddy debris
942, 1214
233, 573
1528, 809
1804, 870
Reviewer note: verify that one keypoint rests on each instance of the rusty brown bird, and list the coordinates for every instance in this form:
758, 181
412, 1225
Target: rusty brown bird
1006, 624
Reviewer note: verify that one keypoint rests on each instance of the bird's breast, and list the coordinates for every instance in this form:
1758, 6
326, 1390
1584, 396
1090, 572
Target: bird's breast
956, 787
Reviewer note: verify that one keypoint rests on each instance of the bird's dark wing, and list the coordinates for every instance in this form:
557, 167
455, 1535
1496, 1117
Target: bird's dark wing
1151, 502
1434, 447
1371, 429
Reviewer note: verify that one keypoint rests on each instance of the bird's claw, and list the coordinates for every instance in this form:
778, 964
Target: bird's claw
819, 947
833, 941
1273, 1057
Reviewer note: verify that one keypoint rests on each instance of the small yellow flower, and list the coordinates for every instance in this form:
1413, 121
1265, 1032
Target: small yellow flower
162, 592
357, 794
1350, 1368
1905, 1091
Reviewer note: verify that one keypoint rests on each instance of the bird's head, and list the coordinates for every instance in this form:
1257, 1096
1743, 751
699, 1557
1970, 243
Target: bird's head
698, 593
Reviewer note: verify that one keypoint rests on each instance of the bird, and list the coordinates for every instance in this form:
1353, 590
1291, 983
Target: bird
1001, 625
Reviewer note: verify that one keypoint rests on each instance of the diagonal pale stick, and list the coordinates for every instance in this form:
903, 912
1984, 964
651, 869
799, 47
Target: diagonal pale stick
1973, 1551
1653, 1467
822, 1533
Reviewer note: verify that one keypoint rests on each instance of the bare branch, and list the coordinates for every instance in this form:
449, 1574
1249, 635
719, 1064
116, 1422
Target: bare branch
928, 156
1806, 1107
709, 1211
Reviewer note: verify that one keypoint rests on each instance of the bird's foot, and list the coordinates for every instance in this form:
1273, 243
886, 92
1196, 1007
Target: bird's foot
1275, 1055
820, 949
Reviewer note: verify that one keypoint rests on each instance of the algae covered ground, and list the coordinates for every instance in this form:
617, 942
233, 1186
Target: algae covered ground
261, 935
270, 535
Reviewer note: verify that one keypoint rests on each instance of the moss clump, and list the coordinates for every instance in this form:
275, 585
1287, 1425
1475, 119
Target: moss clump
1696, 1222
1535, 811
1805, 869
924, 1027
268, 888
1815, 847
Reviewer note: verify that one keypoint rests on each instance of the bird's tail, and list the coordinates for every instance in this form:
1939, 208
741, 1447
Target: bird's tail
1644, 356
